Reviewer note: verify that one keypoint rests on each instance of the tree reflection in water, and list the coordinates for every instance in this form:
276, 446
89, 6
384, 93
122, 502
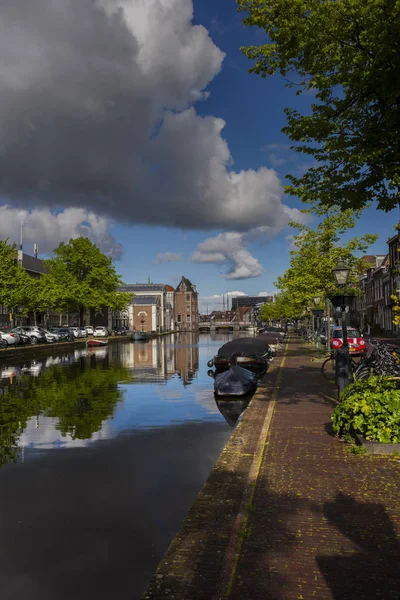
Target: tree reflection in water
81, 397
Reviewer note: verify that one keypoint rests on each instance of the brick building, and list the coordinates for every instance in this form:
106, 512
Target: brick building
186, 309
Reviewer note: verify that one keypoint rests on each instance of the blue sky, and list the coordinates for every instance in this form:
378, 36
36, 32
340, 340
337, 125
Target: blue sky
233, 256
253, 110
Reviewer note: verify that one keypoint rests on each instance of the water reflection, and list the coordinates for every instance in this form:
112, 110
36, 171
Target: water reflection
113, 446
70, 399
232, 409
79, 397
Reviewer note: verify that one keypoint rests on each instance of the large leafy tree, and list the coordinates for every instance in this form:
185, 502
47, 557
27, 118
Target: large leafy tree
17, 288
347, 52
81, 277
315, 254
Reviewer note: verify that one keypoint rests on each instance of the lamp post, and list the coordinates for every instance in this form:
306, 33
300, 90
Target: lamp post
342, 364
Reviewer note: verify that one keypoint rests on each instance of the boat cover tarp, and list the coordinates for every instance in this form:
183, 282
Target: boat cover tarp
235, 382
246, 346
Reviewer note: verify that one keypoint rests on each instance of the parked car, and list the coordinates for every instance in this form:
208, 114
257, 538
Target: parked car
89, 329
356, 342
33, 332
100, 332
50, 337
75, 331
82, 332
3, 341
63, 332
23, 339
11, 337
60, 332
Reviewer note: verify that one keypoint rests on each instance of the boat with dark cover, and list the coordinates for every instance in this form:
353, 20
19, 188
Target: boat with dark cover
140, 336
236, 381
252, 353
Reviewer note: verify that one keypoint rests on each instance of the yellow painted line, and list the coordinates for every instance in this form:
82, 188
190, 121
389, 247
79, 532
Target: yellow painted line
255, 475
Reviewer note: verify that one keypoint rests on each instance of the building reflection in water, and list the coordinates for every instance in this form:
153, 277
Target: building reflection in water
161, 358
69, 399
187, 357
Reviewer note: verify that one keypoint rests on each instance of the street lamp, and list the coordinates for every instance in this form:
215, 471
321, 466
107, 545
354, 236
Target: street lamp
341, 274
342, 364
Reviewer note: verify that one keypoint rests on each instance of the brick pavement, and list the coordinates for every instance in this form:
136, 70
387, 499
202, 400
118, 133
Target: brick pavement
292, 516
325, 523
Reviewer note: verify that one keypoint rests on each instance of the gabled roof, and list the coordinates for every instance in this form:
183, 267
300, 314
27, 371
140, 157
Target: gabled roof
185, 285
145, 300
169, 288
142, 287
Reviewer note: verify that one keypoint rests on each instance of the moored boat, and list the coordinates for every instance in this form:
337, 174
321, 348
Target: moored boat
95, 343
236, 381
253, 354
140, 336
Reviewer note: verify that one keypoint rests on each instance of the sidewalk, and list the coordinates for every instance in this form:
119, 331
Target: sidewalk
313, 520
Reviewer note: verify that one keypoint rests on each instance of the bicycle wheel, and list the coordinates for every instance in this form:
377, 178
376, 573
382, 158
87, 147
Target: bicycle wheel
328, 368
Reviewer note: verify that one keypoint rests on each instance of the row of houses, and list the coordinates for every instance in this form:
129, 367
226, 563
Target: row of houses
378, 284
154, 307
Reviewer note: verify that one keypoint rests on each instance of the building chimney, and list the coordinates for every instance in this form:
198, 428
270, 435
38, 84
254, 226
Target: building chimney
35, 250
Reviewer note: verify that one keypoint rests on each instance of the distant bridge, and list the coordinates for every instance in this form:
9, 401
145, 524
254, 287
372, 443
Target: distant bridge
230, 325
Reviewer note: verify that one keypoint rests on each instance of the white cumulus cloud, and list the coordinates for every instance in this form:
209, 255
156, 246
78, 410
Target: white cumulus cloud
229, 248
97, 113
48, 229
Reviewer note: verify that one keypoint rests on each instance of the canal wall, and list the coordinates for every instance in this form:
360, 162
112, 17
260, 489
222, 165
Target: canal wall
29, 351
201, 558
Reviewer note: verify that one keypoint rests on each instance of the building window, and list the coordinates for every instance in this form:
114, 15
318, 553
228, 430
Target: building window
187, 297
188, 319
179, 318
188, 308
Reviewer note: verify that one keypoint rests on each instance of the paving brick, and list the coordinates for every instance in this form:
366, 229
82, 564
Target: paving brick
324, 523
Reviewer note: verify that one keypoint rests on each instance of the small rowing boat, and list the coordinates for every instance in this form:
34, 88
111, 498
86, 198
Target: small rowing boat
94, 343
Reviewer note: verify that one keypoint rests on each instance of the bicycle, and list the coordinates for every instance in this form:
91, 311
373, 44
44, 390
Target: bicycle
328, 367
382, 360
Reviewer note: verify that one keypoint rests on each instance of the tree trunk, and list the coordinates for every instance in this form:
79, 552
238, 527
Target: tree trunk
81, 316
328, 326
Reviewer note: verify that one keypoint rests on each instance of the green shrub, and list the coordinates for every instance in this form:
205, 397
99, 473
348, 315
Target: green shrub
370, 407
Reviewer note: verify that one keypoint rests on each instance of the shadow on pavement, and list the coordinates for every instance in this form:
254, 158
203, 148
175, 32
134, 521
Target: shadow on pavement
372, 570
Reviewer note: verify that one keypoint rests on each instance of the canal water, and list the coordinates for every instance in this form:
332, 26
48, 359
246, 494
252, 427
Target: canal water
102, 453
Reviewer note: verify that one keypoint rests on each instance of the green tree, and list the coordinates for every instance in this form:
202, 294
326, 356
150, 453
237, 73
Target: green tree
80, 277
284, 307
16, 287
348, 53
315, 254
